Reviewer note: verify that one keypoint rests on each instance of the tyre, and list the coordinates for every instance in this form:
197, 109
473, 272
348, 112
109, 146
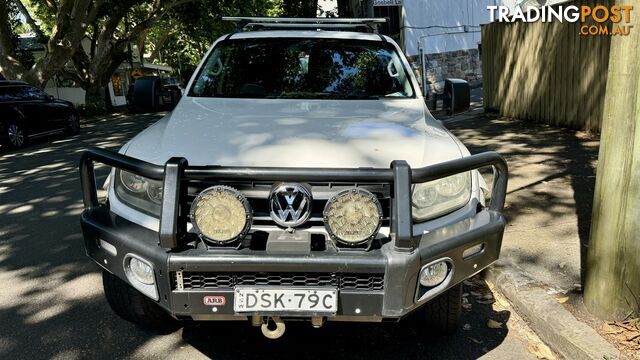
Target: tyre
15, 135
133, 306
73, 124
442, 314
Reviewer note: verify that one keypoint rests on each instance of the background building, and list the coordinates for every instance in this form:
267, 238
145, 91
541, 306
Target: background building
446, 33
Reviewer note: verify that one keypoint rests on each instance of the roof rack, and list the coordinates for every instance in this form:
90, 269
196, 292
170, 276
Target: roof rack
335, 24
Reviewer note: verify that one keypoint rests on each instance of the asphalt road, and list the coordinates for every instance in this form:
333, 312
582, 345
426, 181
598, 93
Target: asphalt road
52, 305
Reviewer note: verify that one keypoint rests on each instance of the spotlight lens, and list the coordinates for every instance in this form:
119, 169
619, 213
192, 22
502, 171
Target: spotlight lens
353, 216
433, 275
221, 214
141, 271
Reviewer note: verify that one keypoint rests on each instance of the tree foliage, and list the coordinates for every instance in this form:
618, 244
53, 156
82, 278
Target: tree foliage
193, 28
16, 27
86, 40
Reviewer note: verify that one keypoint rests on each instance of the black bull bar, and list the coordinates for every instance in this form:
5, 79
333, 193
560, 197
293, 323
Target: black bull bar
399, 175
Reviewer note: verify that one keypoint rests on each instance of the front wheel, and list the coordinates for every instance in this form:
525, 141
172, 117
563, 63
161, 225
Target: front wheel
442, 314
133, 306
15, 135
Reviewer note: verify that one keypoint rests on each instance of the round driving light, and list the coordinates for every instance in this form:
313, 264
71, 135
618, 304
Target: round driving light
132, 182
353, 216
141, 271
434, 274
221, 214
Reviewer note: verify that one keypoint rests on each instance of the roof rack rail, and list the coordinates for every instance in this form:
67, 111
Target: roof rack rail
275, 23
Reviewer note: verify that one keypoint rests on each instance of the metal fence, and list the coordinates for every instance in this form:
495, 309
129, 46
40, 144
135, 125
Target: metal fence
546, 72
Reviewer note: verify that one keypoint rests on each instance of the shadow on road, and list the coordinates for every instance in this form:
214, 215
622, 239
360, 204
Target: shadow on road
51, 302
404, 340
550, 195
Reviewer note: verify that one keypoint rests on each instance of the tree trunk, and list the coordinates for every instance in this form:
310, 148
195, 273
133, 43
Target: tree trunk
95, 99
10, 67
612, 286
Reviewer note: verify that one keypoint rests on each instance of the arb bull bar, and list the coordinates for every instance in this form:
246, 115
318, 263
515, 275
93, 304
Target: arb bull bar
176, 170
400, 263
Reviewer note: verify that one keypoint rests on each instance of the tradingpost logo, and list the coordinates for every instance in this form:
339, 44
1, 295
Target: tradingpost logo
601, 15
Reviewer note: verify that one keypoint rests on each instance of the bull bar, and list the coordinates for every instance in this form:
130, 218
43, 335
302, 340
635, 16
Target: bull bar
399, 263
400, 175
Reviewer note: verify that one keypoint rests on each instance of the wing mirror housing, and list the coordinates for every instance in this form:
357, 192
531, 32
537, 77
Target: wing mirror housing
457, 96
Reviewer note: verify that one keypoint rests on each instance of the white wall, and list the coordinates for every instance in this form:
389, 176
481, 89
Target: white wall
441, 24
75, 95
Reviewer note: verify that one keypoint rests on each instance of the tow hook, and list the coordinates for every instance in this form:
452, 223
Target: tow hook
317, 322
273, 328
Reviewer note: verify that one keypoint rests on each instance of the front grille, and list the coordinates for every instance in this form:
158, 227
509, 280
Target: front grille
205, 281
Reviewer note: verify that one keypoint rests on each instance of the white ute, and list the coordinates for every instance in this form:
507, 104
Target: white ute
301, 177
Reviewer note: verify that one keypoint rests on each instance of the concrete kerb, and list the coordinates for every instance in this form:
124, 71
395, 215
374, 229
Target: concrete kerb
554, 324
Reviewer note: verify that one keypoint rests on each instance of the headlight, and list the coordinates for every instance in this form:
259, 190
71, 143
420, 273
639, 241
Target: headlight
353, 216
221, 214
139, 192
435, 198
132, 182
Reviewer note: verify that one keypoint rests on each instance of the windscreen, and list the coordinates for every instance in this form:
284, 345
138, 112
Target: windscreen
292, 68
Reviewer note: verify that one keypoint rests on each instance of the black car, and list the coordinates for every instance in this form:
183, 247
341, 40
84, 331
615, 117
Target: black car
27, 112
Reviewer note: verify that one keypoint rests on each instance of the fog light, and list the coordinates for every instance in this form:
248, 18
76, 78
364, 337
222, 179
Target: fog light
141, 271
221, 214
434, 274
140, 274
353, 216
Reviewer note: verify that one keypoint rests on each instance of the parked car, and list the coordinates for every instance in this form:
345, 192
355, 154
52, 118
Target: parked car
148, 93
302, 177
27, 112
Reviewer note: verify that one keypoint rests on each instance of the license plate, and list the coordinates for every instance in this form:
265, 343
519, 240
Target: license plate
285, 300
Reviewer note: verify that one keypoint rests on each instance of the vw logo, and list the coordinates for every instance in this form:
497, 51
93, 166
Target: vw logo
290, 205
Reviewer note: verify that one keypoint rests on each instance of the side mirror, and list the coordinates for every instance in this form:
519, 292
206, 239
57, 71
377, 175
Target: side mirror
431, 101
457, 96
50, 98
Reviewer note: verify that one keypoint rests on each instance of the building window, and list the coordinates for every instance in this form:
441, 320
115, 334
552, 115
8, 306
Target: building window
116, 81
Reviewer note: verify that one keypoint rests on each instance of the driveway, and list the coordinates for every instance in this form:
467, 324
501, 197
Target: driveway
52, 305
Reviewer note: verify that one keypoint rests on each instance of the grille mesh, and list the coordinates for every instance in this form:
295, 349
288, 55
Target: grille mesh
203, 281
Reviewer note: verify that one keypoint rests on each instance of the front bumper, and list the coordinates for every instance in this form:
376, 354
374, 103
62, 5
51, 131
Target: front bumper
399, 296
393, 267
